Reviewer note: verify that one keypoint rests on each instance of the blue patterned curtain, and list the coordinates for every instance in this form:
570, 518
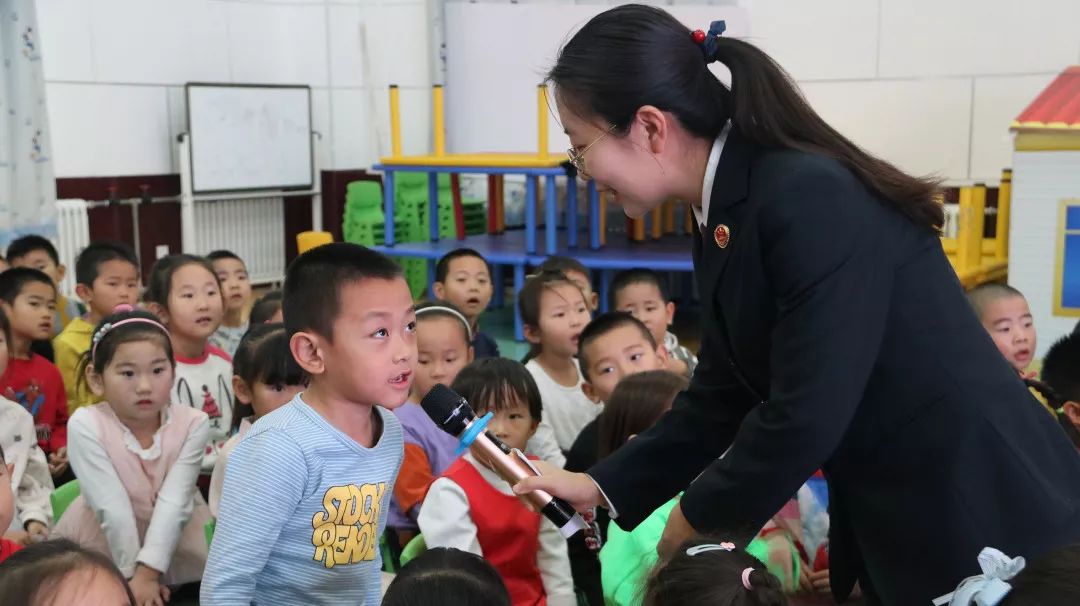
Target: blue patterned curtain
27, 187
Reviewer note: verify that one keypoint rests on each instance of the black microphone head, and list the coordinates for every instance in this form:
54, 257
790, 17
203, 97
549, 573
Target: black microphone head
449, 410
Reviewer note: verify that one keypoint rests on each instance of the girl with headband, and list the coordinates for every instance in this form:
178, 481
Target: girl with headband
137, 459
835, 333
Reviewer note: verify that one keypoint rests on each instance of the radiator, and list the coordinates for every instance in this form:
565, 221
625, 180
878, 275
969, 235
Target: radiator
72, 235
253, 228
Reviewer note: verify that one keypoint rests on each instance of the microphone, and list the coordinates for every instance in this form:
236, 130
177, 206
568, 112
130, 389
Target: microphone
452, 414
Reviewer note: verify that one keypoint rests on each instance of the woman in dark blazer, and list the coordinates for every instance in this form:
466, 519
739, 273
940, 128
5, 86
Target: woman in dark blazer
835, 333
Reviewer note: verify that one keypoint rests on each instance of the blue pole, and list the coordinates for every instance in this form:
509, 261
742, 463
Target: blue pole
571, 212
388, 208
433, 205
594, 216
519, 283
530, 214
551, 210
497, 284
605, 288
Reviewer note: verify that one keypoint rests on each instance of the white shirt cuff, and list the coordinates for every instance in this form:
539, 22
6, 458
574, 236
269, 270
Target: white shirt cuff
607, 502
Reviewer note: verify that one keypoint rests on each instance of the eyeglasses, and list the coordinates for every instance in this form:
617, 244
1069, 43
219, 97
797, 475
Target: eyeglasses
577, 158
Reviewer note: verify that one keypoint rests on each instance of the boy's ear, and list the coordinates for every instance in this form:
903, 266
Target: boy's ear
1072, 410
594, 301
532, 428
240, 388
306, 349
532, 335
439, 289
94, 382
669, 309
589, 392
84, 292
662, 353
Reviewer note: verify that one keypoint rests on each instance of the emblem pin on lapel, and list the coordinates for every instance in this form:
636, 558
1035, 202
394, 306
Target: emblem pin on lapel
722, 235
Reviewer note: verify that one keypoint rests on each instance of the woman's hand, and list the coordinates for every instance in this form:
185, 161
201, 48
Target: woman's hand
146, 588
577, 489
677, 532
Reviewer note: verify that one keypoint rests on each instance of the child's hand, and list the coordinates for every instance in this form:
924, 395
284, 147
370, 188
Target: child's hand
820, 581
36, 532
18, 536
677, 366
806, 583
145, 587
58, 461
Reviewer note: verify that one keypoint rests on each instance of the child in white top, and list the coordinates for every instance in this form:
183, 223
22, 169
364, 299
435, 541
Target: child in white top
554, 312
137, 459
185, 294
265, 378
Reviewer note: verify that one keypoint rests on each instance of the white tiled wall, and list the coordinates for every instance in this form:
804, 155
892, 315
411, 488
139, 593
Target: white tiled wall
930, 84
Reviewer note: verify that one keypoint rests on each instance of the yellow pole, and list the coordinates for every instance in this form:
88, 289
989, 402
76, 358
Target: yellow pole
669, 216
969, 238
541, 121
657, 224
1001, 252
395, 121
440, 127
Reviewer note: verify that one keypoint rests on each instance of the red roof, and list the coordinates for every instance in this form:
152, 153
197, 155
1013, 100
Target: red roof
1057, 106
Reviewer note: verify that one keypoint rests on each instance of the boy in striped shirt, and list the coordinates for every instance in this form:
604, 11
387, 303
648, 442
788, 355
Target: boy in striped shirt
307, 490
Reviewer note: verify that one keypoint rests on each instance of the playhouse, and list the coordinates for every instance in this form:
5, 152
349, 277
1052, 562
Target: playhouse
1044, 250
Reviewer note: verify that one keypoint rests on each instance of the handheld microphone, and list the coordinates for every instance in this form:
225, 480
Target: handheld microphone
454, 416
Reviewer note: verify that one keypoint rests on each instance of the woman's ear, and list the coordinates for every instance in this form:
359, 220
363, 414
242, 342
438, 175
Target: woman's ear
241, 389
306, 349
94, 382
655, 125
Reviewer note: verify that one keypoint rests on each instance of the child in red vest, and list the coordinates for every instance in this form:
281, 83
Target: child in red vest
472, 509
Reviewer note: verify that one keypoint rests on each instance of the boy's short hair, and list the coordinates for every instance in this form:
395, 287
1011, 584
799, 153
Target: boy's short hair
637, 275
218, 255
20, 247
1061, 367
602, 325
563, 264
265, 308
15, 279
498, 380
322, 271
88, 263
442, 268
983, 295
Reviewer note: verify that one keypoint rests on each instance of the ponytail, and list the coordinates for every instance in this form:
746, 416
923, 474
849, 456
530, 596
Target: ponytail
635, 55
1056, 402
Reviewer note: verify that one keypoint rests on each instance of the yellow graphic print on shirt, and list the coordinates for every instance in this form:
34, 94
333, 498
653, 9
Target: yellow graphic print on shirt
346, 531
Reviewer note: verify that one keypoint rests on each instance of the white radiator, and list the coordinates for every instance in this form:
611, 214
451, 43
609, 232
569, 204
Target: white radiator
72, 235
253, 228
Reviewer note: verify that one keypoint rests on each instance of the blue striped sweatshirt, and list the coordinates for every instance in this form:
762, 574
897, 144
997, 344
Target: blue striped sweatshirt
302, 509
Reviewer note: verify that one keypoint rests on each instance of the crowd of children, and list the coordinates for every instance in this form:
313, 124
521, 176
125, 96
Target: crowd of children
205, 444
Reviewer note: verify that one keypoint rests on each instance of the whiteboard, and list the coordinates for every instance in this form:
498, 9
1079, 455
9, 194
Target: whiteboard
249, 137
496, 54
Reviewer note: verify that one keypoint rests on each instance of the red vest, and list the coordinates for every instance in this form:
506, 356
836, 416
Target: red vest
509, 534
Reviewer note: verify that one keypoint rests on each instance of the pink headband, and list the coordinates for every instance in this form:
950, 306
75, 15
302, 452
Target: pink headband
105, 328
746, 579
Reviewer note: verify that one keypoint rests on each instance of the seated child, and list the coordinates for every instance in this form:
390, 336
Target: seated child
1061, 373
712, 572
642, 293
306, 491
7, 507
554, 312
267, 310
185, 294
27, 476
626, 557
471, 508
39, 253
236, 292
137, 459
265, 378
61, 572
442, 349
576, 272
27, 298
1004, 314
447, 577
463, 278
107, 275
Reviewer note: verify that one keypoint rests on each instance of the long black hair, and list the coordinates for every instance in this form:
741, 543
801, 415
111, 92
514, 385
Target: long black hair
634, 55
450, 577
34, 574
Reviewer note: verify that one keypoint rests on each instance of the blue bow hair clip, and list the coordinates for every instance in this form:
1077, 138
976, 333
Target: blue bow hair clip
988, 588
707, 42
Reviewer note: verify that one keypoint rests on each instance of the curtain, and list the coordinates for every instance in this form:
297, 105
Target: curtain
27, 187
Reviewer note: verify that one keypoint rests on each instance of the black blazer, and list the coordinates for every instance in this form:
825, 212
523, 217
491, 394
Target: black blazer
836, 336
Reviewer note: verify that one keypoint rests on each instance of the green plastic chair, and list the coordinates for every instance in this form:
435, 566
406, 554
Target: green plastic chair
62, 497
387, 556
415, 547
208, 530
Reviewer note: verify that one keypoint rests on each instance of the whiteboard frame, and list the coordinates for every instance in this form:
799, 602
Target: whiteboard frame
191, 147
